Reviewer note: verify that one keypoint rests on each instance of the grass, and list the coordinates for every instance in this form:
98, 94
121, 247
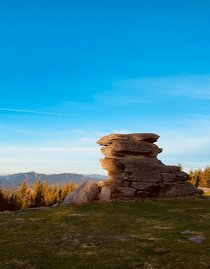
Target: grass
144, 234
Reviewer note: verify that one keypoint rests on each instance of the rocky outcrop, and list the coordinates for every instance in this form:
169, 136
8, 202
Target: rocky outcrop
134, 170
86, 193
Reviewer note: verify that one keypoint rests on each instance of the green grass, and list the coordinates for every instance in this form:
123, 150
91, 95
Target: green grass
143, 234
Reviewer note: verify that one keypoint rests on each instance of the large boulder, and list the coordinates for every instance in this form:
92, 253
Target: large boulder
86, 193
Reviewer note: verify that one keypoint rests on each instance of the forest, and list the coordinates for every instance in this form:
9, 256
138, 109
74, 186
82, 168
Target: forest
40, 195
200, 177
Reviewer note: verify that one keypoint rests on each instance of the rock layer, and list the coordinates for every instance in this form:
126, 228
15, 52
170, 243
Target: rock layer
134, 170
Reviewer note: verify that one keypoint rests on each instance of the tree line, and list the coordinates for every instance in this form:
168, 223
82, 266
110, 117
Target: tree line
41, 194
200, 177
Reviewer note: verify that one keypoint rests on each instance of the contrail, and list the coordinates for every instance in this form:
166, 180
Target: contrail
36, 112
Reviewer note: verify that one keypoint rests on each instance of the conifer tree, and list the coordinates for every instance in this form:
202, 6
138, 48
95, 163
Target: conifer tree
24, 195
59, 196
197, 179
53, 194
2, 201
6, 195
14, 202
46, 192
38, 197
207, 176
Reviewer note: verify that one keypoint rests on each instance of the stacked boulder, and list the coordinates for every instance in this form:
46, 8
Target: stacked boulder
134, 170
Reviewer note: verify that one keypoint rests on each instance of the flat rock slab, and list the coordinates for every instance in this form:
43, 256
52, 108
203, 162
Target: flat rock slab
147, 137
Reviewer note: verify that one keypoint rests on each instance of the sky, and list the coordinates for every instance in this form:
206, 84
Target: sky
73, 71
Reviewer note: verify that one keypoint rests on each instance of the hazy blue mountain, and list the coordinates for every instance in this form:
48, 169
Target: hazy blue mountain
31, 177
99, 177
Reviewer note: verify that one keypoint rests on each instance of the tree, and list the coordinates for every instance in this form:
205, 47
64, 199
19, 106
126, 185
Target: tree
53, 194
2, 201
38, 196
24, 195
207, 176
200, 178
46, 193
13, 202
197, 179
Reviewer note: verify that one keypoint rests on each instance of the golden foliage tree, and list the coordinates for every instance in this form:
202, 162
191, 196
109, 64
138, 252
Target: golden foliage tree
200, 178
38, 195
24, 195
42, 194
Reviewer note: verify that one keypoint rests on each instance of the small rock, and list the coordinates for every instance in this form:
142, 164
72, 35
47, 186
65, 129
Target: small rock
196, 239
186, 232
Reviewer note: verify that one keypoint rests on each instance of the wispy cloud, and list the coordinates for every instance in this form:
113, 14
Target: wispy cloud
188, 85
156, 89
36, 112
120, 97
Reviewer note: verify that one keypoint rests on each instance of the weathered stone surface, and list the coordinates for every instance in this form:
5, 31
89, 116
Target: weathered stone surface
147, 137
168, 177
180, 190
126, 191
105, 194
182, 176
135, 171
143, 194
144, 186
112, 166
119, 149
86, 193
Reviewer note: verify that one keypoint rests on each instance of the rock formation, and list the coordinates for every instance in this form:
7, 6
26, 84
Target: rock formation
135, 171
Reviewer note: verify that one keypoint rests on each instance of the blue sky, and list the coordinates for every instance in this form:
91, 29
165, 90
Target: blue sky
73, 71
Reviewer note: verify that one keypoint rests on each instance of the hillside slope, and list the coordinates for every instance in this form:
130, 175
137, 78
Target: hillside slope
143, 234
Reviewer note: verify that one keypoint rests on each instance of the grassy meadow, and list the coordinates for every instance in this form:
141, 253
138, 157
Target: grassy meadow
142, 234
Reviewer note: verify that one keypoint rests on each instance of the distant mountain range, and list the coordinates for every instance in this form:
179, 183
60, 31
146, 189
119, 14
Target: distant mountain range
16, 179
